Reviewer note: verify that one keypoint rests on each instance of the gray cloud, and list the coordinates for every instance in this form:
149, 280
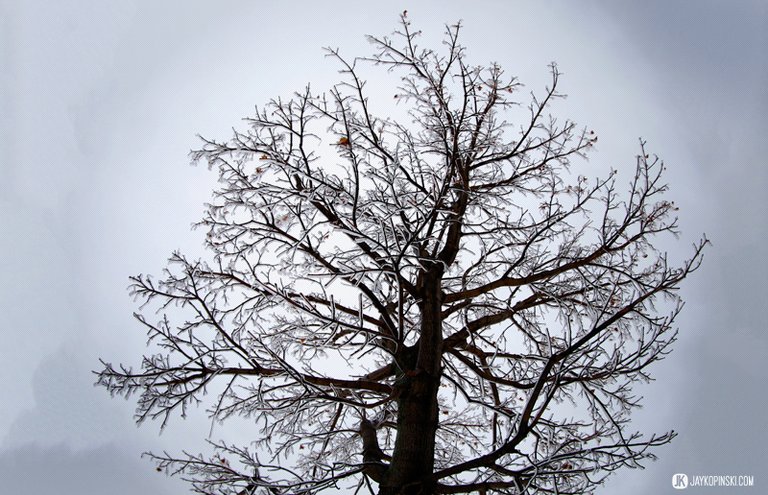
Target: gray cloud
35, 470
67, 409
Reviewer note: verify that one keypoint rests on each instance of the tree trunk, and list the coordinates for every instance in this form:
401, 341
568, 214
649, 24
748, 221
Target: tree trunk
413, 457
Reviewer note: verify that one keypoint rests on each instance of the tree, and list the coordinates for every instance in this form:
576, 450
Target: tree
433, 306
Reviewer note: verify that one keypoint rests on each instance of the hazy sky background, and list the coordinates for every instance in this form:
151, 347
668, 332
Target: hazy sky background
101, 101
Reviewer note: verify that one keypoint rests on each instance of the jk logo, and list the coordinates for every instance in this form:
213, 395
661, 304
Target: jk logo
679, 481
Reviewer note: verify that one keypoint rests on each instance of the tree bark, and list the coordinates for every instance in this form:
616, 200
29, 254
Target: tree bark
413, 457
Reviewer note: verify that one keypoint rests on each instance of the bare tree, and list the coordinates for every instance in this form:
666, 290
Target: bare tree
433, 306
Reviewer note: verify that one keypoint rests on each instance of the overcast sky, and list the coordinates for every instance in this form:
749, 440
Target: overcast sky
101, 101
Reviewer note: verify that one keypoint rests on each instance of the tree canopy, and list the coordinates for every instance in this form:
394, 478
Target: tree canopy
439, 304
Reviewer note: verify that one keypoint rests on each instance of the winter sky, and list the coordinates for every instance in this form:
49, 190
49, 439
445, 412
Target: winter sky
101, 101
